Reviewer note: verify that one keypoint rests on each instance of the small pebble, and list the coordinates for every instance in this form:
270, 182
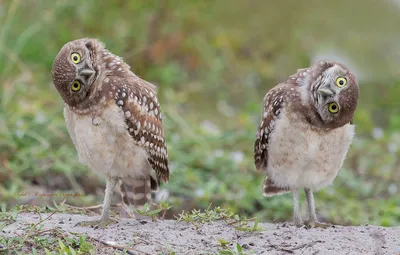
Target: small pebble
246, 246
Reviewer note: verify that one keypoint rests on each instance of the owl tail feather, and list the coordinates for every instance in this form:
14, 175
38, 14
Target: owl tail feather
136, 192
270, 189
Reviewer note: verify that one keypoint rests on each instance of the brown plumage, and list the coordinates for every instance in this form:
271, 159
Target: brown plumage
114, 120
305, 131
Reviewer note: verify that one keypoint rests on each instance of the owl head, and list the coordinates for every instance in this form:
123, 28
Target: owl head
75, 69
332, 91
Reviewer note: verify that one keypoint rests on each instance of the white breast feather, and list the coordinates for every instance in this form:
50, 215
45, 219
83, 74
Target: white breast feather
104, 144
299, 157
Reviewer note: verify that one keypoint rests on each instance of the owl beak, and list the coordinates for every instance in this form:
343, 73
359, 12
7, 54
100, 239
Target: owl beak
325, 92
86, 72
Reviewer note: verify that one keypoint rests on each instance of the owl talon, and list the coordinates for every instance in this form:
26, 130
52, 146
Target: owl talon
102, 223
316, 224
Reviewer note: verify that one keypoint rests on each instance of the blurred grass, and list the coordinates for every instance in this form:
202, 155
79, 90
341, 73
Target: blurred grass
213, 61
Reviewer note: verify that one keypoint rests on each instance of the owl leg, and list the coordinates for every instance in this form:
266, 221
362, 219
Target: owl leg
312, 216
296, 209
105, 219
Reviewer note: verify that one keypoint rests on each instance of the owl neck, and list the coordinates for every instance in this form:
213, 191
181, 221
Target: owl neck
86, 106
314, 119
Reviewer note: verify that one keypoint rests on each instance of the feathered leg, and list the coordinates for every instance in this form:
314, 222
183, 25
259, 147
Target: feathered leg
296, 209
312, 216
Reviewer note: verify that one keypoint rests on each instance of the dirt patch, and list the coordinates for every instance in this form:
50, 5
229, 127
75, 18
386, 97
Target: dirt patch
168, 236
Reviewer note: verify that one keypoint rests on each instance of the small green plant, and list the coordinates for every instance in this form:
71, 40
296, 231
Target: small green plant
167, 253
237, 251
168, 250
7, 218
223, 243
146, 210
164, 206
247, 228
81, 247
218, 213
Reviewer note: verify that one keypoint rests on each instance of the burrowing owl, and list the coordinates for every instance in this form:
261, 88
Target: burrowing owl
305, 132
113, 118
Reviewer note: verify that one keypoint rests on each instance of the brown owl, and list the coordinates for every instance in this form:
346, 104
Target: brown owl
305, 132
114, 120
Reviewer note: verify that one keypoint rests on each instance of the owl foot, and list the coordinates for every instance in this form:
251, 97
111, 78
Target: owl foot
317, 224
102, 223
298, 222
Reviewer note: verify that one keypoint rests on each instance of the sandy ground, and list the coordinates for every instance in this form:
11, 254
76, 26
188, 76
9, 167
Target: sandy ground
167, 236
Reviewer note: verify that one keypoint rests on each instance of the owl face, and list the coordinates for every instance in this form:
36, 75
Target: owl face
75, 70
335, 94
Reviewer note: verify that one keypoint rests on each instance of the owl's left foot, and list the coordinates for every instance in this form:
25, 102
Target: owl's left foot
316, 224
102, 223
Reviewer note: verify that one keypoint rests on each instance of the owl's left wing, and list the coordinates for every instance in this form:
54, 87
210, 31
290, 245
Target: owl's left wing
273, 102
144, 120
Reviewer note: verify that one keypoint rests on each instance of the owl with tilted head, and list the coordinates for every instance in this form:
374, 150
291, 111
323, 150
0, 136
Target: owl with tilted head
305, 133
114, 120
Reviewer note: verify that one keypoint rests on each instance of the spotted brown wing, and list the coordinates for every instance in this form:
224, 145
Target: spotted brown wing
272, 108
144, 119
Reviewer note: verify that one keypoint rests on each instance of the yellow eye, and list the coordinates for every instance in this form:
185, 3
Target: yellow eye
340, 82
75, 57
333, 107
76, 86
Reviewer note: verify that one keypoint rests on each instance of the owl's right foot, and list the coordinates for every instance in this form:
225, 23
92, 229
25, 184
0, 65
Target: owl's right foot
317, 224
102, 223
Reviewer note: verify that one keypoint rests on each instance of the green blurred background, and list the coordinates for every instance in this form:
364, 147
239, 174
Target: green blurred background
213, 62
